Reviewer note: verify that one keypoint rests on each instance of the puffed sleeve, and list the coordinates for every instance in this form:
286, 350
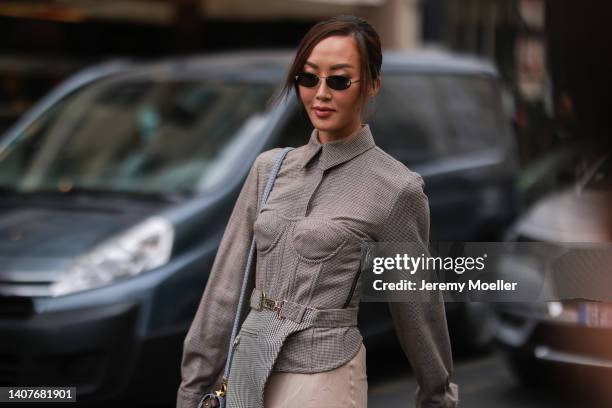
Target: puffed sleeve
421, 326
206, 343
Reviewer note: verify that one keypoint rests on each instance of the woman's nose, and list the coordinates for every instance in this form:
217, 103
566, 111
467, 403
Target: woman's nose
322, 90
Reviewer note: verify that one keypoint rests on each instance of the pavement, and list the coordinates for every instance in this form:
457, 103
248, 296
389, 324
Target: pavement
484, 381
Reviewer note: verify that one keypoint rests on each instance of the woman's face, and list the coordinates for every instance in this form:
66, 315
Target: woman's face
335, 114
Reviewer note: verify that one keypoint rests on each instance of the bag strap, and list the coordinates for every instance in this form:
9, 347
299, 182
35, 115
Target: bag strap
271, 178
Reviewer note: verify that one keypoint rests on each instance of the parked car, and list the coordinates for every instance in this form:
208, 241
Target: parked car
568, 337
116, 189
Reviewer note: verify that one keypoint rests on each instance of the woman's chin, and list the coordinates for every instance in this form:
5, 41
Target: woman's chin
324, 125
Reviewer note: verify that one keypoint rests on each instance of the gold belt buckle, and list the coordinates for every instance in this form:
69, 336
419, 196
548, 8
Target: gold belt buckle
272, 304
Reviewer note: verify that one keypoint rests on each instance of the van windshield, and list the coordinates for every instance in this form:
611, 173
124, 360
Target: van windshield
138, 135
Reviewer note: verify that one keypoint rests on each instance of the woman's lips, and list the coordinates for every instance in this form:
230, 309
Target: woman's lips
323, 113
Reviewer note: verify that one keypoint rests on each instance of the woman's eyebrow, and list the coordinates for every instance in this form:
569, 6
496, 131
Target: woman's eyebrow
333, 67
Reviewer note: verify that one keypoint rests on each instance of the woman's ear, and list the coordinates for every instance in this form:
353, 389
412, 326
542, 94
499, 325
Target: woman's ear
375, 87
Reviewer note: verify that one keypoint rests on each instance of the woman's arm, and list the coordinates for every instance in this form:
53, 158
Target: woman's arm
205, 346
420, 325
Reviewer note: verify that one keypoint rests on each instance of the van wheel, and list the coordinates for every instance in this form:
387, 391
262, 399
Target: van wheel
530, 372
473, 328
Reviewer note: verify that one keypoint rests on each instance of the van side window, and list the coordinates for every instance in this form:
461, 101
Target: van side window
405, 119
475, 114
423, 116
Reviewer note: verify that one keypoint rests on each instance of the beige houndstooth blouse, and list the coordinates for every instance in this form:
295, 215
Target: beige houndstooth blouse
327, 199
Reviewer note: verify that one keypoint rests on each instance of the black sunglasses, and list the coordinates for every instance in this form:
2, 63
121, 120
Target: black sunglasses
336, 82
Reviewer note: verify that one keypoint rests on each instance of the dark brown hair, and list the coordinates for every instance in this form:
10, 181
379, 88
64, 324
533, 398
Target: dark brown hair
368, 45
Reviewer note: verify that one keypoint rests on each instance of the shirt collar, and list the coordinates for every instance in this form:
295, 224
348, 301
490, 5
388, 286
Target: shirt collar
338, 151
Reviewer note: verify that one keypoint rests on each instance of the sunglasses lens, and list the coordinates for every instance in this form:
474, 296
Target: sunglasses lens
338, 82
307, 80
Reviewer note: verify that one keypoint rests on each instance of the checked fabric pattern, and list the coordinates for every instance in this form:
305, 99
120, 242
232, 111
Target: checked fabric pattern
327, 200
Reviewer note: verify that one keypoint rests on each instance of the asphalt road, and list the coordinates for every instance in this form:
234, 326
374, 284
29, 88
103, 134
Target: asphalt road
484, 381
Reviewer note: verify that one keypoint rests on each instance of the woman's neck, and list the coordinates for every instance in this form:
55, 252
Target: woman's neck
338, 136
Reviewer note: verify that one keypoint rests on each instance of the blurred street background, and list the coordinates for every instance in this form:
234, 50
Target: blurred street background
552, 56
128, 126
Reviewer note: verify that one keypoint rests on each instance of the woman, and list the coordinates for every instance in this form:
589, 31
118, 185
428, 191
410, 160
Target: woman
299, 344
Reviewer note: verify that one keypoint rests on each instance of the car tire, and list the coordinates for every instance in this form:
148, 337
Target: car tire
527, 369
472, 328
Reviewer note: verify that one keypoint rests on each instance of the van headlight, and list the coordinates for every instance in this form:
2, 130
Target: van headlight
141, 248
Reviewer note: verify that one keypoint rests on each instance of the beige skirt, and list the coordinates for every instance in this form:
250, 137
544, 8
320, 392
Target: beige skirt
345, 386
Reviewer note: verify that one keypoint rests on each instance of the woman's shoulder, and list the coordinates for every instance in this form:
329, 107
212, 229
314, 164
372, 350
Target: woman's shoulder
392, 173
265, 159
